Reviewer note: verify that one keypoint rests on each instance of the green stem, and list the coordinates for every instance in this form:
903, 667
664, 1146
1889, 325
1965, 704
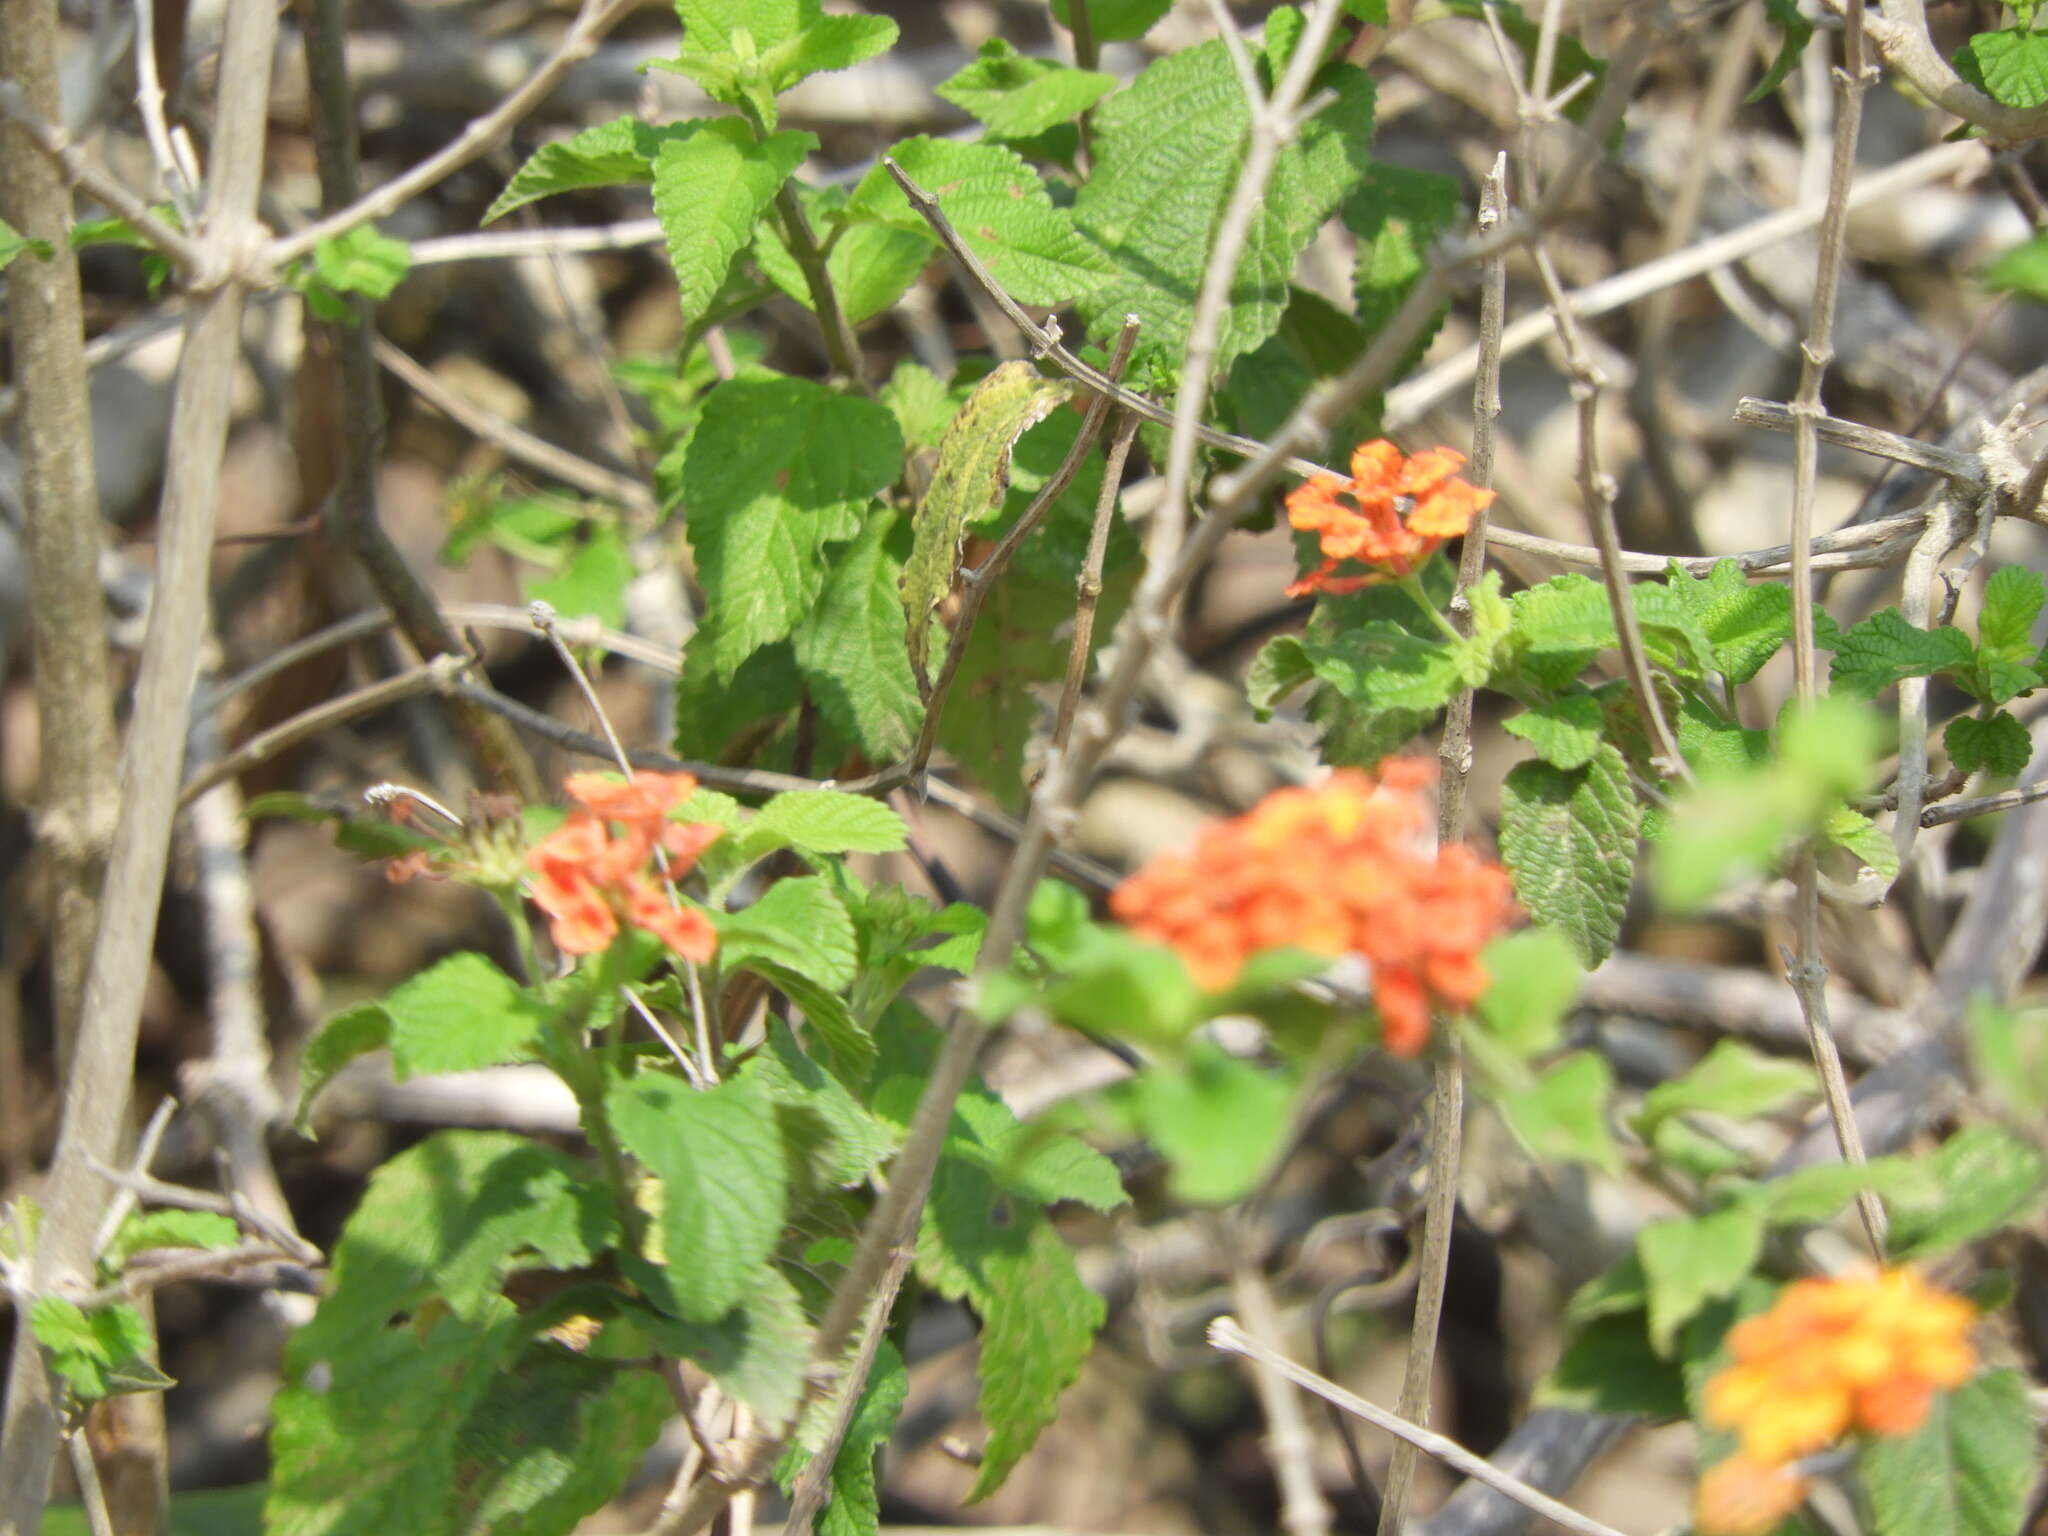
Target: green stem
1412, 585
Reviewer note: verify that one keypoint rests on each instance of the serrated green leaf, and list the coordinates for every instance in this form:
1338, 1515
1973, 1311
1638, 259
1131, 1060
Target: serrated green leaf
854, 649
1691, 1260
1397, 214
1999, 745
1562, 1116
2009, 66
460, 1015
826, 43
967, 487
757, 1352
1849, 828
1732, 1079
1819, 1192
351, 1033
593, 582
719, 1155
1786, 16
1559, 627
829, 821
1000, 208
144, 1230
1168, 150
870, 262
1746, 622
1608, 1367
1380, 666
855, 1507
2013, 597
920, 402
826, 1015
1565, 732
860, 1140
778, 469
620, 152
798, 923
1966, 1471
98, 1354
1219, 1121
1987, 1177
1877, 653
1533, 978
709, 188
1281, 666
1015, 97
1568, 838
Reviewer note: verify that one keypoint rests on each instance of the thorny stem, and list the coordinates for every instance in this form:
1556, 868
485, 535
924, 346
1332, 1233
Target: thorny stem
1807, 971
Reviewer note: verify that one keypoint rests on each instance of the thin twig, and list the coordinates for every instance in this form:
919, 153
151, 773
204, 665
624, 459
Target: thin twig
1806, 970
1226, 1334
1303, 1509
543, 615
145, 1153
1088, 585
593, 21
90, 1492
1983, 805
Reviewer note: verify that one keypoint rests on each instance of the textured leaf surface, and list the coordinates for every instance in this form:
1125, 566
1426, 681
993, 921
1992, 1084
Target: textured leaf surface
709, 188
1965, 1472
611, 154
1987, 1177
1116, 21
967, 487
1559, 627
1015, 97
827, 43
1396, 215
1168, 150
2010, 66
1692, 1260
1380, 666
1745, 621
801, 924
1281, 667
351, 1033
855, 1508
1568, 837
827, 821
854, 650
1884, 648
778, 469
460, 1015
1000, 208
1565, 732
756, 1352
719, 1155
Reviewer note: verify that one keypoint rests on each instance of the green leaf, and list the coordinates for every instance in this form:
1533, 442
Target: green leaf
1848, 828
1116, 21
828, 821
1988, 1178
757, 1352
1562, 1117
967, 487
351, 1033
709, 188
2012, 602
826, 43
1396, 214
1608, 1367
621, 152
2023, 269
2009, 66
719, 1156
1692, 1260
778, 469
13, 243
830, 1021
1999, 745
859, 1139
362, 261
1380, 666
144, 1230
1885, 648
1966, 1471
1015, 97
593, 583
855, 1507
1533, 979
1786, 16
1168, 150
798, 923
1219, 1121
1566, 732
1559, 627
1281, 666
1746, 622
1000, 208
1819, 1192
97, 1354
460, 1015
1732, 1079
1568, 838
920, 402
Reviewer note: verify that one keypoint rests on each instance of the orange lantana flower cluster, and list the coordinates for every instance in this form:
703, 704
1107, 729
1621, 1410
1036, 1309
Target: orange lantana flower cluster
1864, 1351
1343, 868
597, 868
1401, 509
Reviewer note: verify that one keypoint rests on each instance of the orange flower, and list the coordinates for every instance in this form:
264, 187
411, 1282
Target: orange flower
1744, 1497
1402, 509
588, 876
1864, 1351
1343, 868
